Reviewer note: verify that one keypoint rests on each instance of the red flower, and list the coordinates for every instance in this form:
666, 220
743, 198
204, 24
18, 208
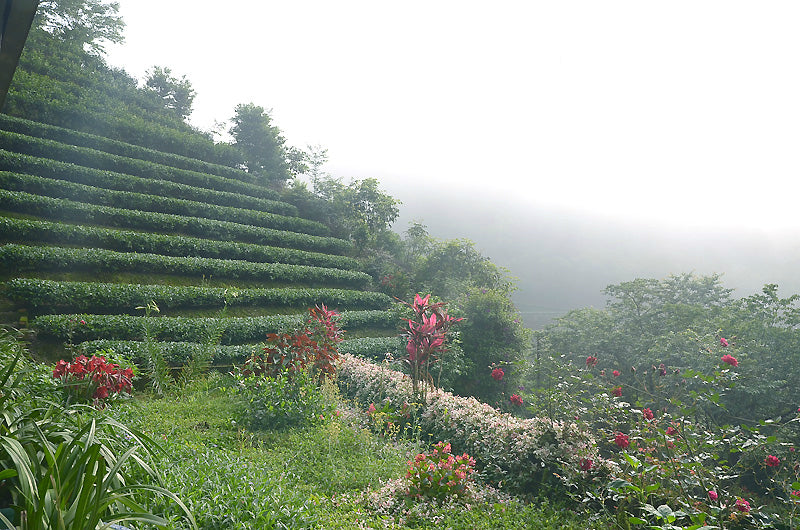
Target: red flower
516, 400
586, 464
671, 430
796, 493
622, 440
742, 505
647, 414
723, 342
591, 361
615, 373
712, 495
731, 360
497, 374
101, 392
772, 461
617, 391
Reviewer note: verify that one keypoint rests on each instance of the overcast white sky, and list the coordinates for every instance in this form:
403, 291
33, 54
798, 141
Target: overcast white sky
682, 112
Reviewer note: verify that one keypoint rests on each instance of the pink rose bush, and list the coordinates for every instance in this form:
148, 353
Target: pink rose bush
506, 449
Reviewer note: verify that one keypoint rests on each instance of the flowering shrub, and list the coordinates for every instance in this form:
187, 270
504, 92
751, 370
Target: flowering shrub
521, 455
439, 474
92, 379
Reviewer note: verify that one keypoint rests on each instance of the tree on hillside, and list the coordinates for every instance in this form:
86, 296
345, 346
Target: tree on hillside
89, 24
176, 94
264, 147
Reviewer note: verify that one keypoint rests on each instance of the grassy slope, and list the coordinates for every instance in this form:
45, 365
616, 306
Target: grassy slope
318, 477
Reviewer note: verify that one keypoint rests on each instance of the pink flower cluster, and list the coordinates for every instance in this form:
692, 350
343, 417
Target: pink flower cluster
591, 361
622, 440
439, 474
742, 505
516, 400
93, 378
497, 374
772, 461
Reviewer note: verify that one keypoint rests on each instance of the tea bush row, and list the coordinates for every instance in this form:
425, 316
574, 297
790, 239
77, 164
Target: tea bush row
83, 156
67, 210
23, 258
25, 230
155, 203
115, 147
237, 330
522, 455
178, 353
373, 347
45, 167
47, 296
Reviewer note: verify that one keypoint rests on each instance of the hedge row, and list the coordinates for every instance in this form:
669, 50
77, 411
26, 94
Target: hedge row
24, 230
153, 203
524, 455
237, 330
23, 258
66, 210
115, 147
48, 296
83, 156
177, 353
53, 169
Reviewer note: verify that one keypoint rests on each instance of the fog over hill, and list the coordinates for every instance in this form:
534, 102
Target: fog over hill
563, 259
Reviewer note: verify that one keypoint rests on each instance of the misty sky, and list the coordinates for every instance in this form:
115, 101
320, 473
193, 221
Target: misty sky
680, 112
579, 143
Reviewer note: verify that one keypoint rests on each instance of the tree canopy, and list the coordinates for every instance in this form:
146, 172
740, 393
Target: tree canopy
177, 94
90, 24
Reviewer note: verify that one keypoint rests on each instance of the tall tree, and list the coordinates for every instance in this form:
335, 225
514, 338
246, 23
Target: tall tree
263, 145
176, 94
89, 24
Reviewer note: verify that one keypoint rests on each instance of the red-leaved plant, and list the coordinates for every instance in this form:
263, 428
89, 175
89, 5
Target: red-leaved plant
427, 337
92, 379
314, 347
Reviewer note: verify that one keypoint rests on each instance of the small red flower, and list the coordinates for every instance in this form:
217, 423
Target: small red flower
622, 440
742, 505
730, 359
647, 414
497, 374
712, 495
617, 391
586, 464
615, 373
516, 400
371, 408
591, 361
723, 342
772, 461
671, 430
796, 493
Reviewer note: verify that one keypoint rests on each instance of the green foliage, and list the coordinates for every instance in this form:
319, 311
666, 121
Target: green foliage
155, 203
241, 330
24, 230
491, 335
177, 94
279, 402
83, 156
85, 24
41, 296
66, 210
21, 258
263, 146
